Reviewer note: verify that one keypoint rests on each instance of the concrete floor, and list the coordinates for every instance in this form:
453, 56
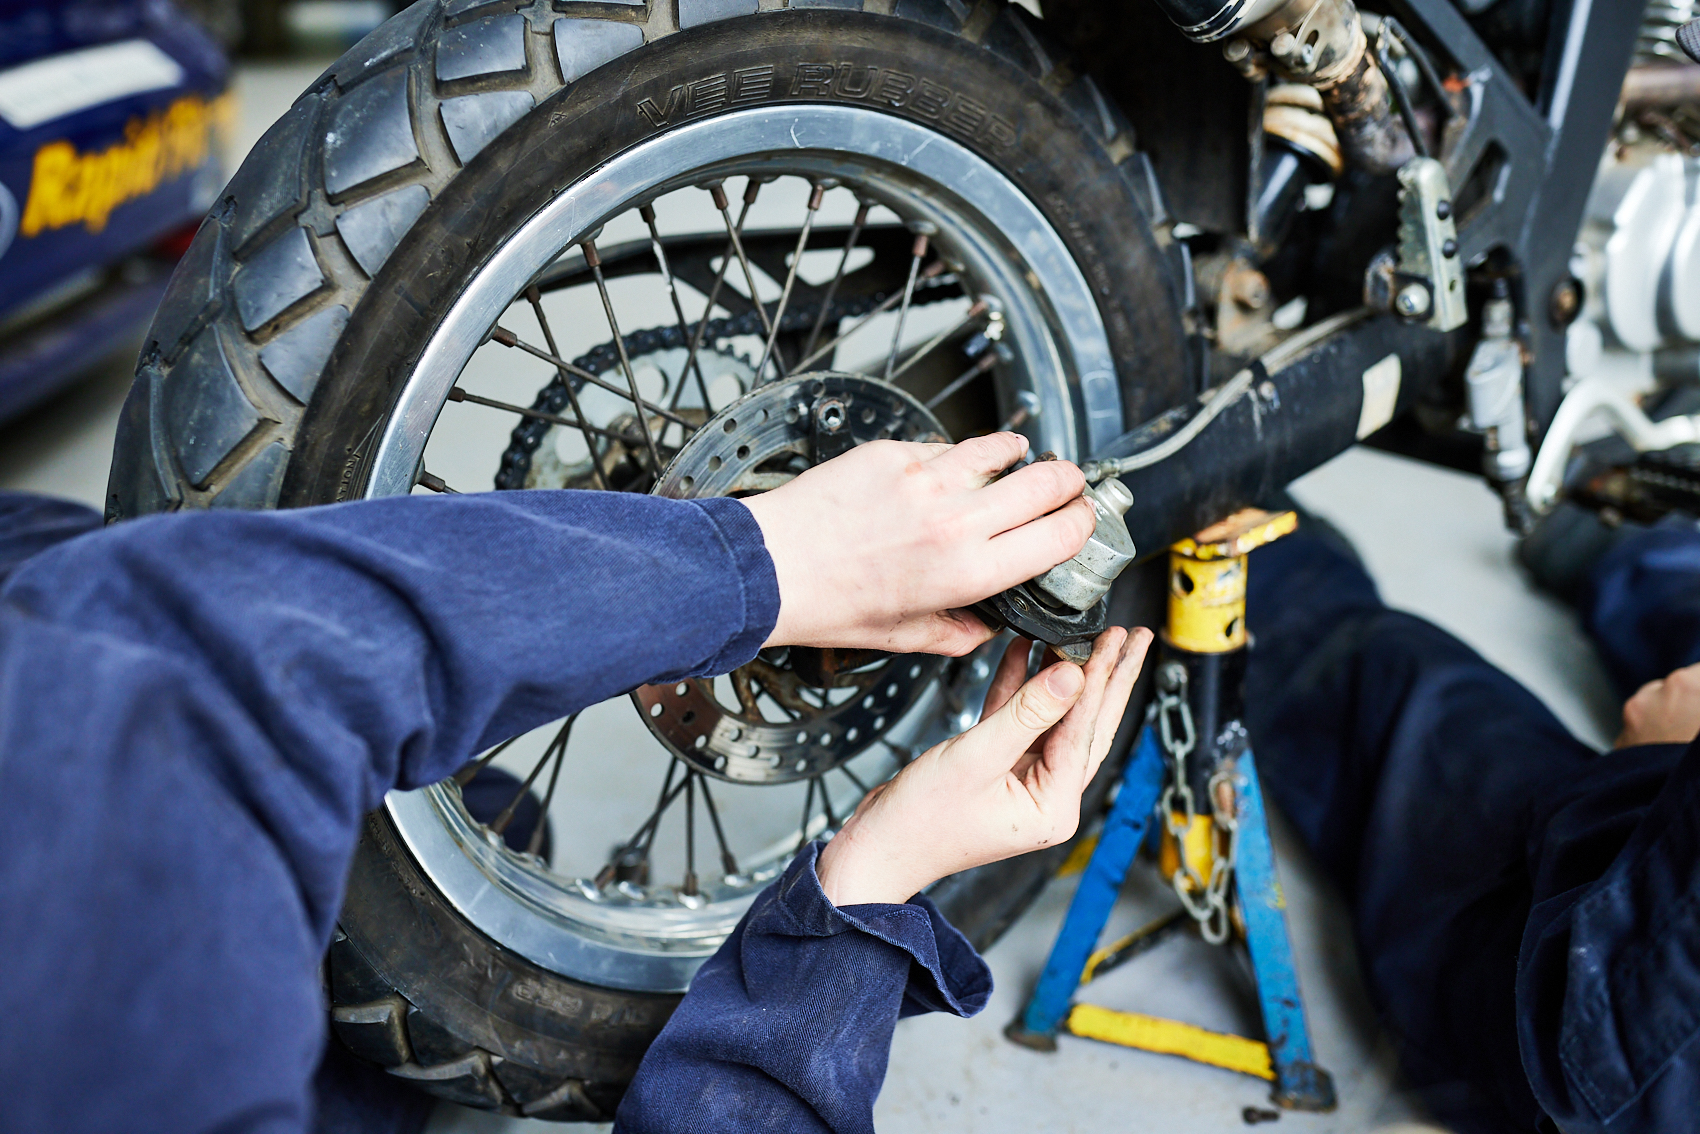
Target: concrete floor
1433, 539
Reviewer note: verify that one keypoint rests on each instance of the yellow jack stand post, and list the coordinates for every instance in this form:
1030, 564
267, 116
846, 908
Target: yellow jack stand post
1193, 770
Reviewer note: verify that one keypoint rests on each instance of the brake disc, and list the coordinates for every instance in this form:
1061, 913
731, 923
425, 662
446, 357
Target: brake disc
798, 712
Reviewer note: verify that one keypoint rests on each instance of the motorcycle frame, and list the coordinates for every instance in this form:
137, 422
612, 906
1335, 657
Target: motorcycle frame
1552, 146
1313, 387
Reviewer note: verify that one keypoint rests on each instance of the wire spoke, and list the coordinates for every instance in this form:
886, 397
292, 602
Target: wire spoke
535, 843
838, 276
508, 339
816, 192
559, 743
974, 312
905, 756
984, 363
690, 886
808, 808
917, 253
826, 804
728, 863
464, 776
853, 778
718, 192
535, 298
890, 301
595, 262
459, 395
634, 852
734, 233
434, 483
647, 212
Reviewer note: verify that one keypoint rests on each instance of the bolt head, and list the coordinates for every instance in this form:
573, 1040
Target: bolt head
1412, 301
831, 415
1249, 288
1566, 302
1235, 50
1443, 210
1449, 249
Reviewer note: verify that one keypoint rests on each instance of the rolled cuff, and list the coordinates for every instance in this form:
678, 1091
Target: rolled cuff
945, 973
758, 584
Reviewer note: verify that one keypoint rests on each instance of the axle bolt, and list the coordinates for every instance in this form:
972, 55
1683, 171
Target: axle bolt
1412, 302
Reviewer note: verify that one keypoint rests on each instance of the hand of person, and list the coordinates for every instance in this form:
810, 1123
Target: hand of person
879, 547
1009, 785
1666, 711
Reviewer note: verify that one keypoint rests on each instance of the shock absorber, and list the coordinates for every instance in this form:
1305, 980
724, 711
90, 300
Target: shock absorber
1319, 43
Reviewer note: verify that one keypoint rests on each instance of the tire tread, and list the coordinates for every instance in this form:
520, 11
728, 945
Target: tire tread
399, 113
247, 326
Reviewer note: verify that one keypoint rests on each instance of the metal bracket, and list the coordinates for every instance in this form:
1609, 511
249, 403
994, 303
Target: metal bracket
1428, 248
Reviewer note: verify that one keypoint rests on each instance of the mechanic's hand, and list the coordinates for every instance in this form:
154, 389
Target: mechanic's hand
1666, 711
877, 548
1009, 785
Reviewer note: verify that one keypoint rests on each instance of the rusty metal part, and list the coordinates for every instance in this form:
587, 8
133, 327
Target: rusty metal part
1661, 84
1293, 112
1321, 44
1244, 303
1361, 107
1316, 42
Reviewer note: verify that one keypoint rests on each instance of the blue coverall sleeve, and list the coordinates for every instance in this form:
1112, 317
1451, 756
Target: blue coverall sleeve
788, 1026
197, 710
1608, 982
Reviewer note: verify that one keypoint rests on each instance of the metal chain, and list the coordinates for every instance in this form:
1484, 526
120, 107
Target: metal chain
1222, 870
1206, 900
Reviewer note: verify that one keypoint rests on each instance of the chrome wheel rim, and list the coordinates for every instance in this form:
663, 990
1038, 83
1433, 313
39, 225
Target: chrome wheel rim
642, 937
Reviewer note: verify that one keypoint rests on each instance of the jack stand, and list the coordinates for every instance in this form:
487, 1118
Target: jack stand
1193, 749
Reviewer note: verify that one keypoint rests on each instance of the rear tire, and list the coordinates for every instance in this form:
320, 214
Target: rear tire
296, 319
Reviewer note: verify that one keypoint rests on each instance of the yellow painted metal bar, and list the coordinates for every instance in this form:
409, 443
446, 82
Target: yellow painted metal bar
1201, 849
1078, 857
1171, 1037
1206, 603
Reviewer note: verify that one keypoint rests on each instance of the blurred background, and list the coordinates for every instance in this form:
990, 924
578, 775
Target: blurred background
120, 120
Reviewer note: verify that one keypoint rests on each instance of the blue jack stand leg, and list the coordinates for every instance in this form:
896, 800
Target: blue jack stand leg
1299, 1083
1124, 830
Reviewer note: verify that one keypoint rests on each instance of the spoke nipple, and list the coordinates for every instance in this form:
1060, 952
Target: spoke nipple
933, 268
533, 295
919, 248
504, 336
728, 864
690, 888
647, 213
717, 191
591, 257
816, 196
456, 394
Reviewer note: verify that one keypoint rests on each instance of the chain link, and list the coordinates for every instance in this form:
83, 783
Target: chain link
1205, 899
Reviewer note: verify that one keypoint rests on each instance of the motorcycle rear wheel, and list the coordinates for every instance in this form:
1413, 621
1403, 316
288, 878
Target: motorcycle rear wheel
331, 306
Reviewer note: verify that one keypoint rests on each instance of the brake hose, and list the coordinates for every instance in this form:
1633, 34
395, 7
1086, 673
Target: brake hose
1223, 398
